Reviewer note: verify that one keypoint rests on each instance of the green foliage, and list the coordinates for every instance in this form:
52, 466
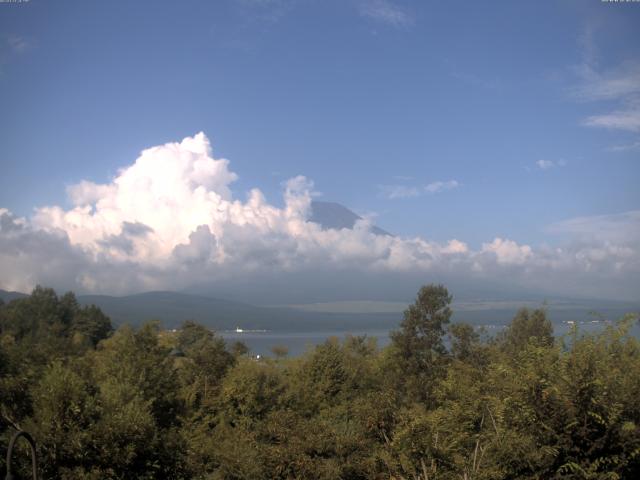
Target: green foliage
91, 324
149, 404
527, 327
280, 351
204, 365
464, 341
65, 410
418, 347
47, 326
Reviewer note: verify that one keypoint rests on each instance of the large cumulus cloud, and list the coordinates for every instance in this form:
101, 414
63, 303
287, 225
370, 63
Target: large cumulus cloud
169, 221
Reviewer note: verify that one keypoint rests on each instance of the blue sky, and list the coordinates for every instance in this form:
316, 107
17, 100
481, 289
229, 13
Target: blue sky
466, 120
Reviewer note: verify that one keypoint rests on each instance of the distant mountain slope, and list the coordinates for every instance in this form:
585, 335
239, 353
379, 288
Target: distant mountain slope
331, 215
172, 308
6, 296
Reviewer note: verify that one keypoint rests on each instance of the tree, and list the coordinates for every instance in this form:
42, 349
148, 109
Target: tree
527, 327
151, 404
464, 340
138, 393
133, 360
205, 364
239, 349
419, 351
280, 351
91, 324
65, 411
50, 322
323, 376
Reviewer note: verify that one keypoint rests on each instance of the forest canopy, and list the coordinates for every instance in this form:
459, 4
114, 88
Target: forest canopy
439, 402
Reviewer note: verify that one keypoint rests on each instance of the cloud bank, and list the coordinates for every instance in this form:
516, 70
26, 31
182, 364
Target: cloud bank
170, 221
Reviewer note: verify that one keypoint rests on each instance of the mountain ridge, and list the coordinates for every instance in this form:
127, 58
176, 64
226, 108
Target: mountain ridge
173, 308
335, 216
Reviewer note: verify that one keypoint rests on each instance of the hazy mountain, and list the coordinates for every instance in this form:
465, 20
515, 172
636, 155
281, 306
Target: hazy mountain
331, 215
6, 296
172, 308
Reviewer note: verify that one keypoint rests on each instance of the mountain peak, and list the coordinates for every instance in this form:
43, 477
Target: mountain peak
334, 216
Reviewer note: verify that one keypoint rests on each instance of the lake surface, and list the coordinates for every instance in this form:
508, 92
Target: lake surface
261, 342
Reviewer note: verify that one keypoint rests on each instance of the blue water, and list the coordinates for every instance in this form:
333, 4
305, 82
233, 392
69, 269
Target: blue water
261, 343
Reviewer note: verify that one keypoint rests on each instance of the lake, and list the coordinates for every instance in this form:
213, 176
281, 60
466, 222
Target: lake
261, 342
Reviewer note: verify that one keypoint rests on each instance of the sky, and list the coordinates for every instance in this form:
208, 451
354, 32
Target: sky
168, 145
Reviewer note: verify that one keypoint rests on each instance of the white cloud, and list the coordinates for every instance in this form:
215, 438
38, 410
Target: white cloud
508, 252
544, 164
626, 147
169, 221
548, 164
18, 44
437, 187
628, 119
12, 46
407, 191
86, 192
456, 246
623, 228
386, 11
613, 84
270, 11
399, 191
619, 85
